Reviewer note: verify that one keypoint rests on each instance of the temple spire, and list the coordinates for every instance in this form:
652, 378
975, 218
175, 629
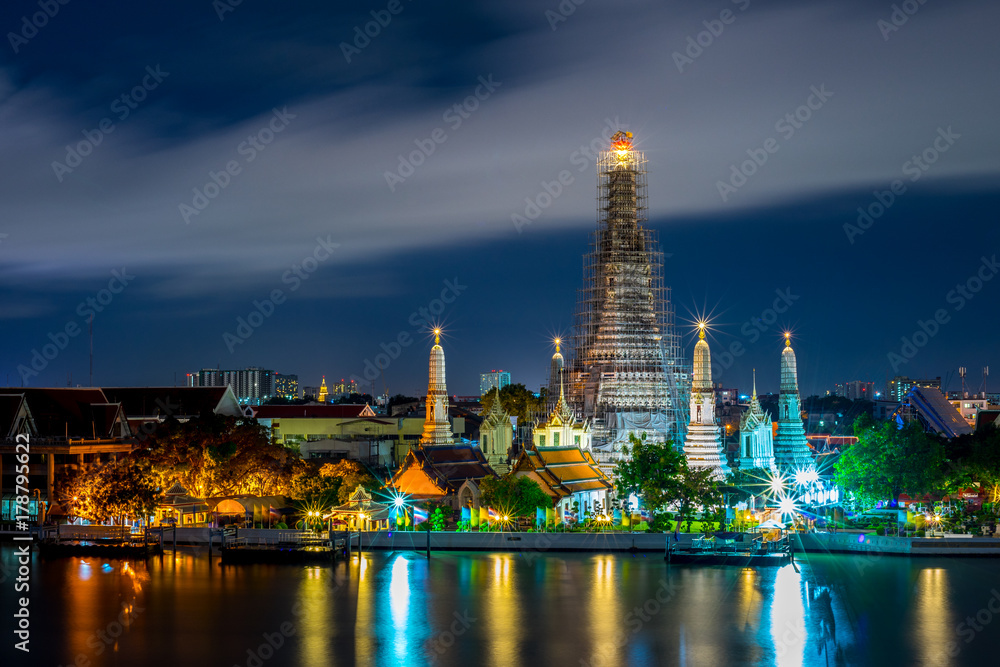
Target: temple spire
754, 384
437, 428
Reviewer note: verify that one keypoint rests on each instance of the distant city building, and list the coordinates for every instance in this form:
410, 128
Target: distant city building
322, 394
286, 386
252, 385
493, 380
930, 407
969, 408
725, 396
899, 386
858, 390
838, 390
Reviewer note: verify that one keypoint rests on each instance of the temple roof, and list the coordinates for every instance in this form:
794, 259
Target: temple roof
314, 411
564, 470
73, 412
440, 469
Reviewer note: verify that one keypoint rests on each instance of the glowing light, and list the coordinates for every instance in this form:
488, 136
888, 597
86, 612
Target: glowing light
786, 505
399, 501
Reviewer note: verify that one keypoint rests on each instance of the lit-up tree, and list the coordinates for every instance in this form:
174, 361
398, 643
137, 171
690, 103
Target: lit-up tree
887, 461
513, 496
117, 490
650, 471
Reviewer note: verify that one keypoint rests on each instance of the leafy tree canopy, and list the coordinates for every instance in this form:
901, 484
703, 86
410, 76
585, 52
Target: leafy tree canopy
517, 496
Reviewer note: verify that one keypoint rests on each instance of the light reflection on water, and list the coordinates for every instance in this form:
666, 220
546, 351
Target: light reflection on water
511, 609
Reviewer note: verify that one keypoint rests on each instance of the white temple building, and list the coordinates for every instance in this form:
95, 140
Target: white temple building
437, 428
703, 445
496, 434
756, 444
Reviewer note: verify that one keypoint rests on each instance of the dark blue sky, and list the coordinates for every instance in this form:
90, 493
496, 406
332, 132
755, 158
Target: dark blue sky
309, 137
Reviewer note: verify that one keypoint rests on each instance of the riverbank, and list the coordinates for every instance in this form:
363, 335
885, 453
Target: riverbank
609, 542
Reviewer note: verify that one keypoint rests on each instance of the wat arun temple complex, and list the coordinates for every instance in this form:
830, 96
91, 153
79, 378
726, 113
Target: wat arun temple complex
627, 373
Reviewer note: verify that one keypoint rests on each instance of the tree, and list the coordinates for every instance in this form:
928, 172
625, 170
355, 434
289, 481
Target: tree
114, 490
696, 488
887, 461
650, 471
216, 455
517, 400
349, 474
516, 496
309, 487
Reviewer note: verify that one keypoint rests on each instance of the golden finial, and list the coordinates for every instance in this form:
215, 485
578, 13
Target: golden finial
558, 340
437, 336
701, 330
788, 343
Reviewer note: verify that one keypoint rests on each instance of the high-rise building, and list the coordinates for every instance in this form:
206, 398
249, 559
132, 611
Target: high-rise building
858, 389
252, 385
626, 374
703, 445
286, 386
791, 450
899, 386
493, 380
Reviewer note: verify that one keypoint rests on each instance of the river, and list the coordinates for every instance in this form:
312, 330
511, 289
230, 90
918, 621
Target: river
505, 609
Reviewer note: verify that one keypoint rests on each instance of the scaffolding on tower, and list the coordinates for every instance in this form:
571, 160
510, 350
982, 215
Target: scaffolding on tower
627, 374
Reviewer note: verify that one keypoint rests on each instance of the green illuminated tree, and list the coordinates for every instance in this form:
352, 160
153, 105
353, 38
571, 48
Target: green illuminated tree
516, 496
650, 471
888, 461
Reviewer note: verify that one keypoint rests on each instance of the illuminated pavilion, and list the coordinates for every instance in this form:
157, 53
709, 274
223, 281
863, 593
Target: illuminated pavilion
703, 445
756, 444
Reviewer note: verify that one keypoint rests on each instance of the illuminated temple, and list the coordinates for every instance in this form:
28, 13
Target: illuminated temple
626, 373
756, 444
791, 451
703, 445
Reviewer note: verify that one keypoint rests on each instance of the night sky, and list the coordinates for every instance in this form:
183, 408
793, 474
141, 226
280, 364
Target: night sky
308, 118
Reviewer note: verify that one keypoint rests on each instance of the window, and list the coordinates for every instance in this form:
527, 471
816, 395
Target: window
555, 439
576, 440
541, 441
